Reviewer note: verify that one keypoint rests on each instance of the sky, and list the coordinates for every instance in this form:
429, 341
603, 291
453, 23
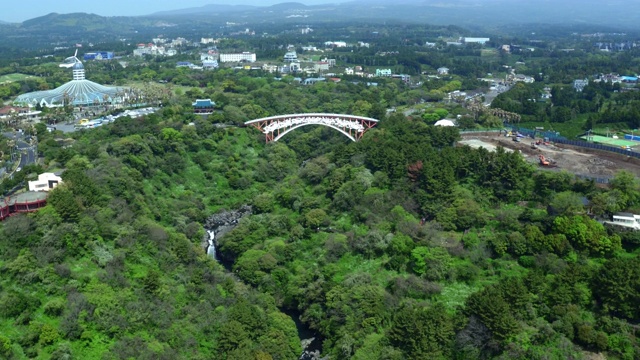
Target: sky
20, 10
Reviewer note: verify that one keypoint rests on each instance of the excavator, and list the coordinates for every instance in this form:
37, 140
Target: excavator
546, 162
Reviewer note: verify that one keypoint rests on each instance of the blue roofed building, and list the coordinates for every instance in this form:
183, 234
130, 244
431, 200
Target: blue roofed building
99, 55
203, 106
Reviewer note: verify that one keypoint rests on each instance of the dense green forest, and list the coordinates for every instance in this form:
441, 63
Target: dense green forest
398, 246
403, 245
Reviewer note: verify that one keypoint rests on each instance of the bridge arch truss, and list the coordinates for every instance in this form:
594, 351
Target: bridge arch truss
275, 127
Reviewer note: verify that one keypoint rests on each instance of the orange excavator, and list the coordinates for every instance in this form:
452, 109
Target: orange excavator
546, 162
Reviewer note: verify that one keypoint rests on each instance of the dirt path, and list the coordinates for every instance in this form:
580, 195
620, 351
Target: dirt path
576, 160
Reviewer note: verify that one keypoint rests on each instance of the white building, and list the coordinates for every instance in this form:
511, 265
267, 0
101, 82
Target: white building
627, 220
444, 122
580, 84
335, 44
270, 68
153, 49
321, 66
443, 71
331, 62
45, 182
245, 56
474, 40
209, 64
290, 56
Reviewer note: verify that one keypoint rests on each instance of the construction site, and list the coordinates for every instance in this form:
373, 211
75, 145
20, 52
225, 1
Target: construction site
589, 163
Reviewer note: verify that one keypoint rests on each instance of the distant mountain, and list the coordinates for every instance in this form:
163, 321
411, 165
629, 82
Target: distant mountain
85, 21
485, 13
206, 9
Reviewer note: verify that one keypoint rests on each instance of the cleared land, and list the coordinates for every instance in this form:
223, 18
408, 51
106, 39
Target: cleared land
594, 163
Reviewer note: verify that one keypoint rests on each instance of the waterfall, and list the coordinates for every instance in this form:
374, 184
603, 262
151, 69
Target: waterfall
211, 250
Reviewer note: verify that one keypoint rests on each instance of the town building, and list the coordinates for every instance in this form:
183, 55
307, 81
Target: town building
579, 84
294, 67
311, 81
627, 220
331, 62
77, 92
22, 203
153, 49
203, 106
45, 182
18, 113
98, 55
335, 44
238, 57
210, 64
474, 40
321, 66
383, 72
443, 71
270, 68
290, 56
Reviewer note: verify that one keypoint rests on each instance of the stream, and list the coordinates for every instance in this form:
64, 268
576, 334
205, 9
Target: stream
219, 224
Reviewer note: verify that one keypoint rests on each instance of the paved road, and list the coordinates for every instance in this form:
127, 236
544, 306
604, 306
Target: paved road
28, 154
488, 97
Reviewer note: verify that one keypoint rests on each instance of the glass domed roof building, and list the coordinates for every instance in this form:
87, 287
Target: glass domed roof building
77, 92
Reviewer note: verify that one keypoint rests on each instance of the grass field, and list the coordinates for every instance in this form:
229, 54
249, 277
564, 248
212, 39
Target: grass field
610, 141
13, 78
488, 52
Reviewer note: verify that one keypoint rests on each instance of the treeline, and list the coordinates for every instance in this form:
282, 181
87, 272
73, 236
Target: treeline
401, 245
598, 103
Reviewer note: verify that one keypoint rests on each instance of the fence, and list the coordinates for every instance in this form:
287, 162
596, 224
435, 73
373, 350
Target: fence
589, 145
473, 131
562, 140
553, 136
597, 180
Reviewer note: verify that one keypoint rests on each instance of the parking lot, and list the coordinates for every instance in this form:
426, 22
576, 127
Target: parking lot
93, 123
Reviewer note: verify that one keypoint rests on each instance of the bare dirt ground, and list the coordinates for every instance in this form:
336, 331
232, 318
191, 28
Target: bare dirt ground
594, 163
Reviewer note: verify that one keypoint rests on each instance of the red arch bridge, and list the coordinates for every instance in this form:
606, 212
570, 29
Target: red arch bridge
275, 127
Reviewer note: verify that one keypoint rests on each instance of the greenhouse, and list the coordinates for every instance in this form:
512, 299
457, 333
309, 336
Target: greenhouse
77, 92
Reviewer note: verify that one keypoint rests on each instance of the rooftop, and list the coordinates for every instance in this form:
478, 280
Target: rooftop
78, 92
25, 197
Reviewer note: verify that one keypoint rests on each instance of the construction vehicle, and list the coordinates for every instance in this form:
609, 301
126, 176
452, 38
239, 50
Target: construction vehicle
546, 162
